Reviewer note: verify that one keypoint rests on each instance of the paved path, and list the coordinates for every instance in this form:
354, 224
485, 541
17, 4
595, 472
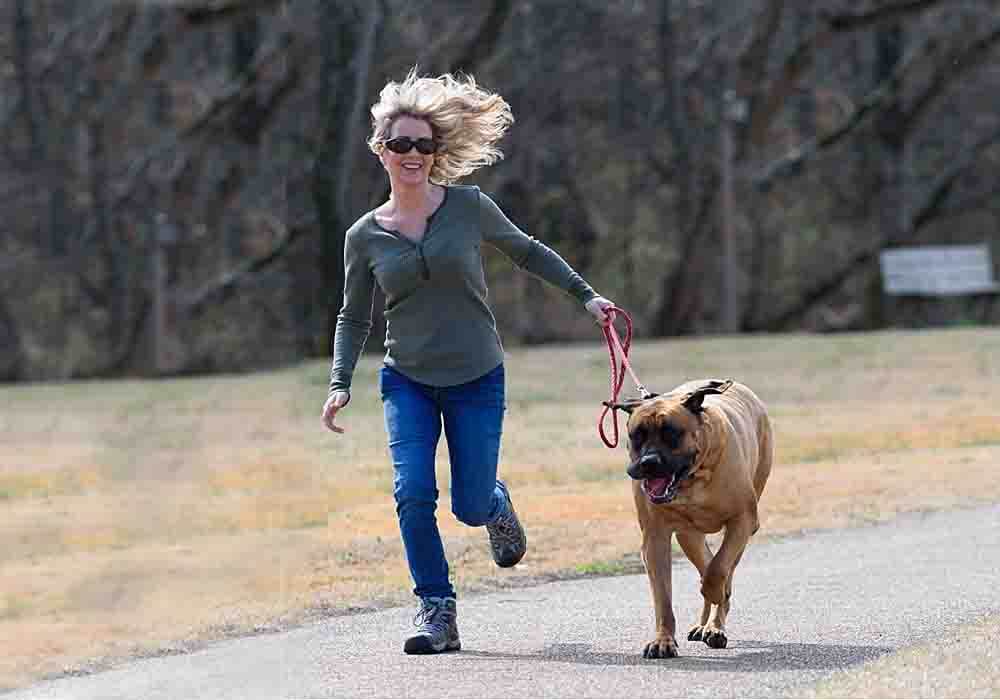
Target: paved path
802, 609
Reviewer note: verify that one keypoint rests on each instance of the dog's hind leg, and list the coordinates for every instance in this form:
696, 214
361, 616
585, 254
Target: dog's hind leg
714, 633
717, 580
697, 551
712, 624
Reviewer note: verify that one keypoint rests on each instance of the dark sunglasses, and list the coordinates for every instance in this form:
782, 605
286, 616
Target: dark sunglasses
403, 144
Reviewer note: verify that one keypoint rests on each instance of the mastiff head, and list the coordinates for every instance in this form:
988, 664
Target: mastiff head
668, 439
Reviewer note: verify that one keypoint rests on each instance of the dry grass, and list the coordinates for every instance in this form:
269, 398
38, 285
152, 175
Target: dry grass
141, 516
962, 665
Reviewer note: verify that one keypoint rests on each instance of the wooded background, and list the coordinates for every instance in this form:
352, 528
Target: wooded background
176, 177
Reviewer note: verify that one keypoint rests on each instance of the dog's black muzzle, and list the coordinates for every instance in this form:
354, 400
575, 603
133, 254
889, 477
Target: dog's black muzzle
654, 465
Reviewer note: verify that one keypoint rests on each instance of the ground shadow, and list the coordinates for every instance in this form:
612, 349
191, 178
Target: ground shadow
742, 657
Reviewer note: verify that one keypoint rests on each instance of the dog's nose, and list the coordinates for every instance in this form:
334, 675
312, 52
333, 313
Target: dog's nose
644, 465
650, 460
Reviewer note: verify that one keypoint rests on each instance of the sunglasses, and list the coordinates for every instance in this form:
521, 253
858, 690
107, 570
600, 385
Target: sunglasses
404, 144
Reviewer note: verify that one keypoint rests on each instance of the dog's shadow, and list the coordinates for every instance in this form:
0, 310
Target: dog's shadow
744, 656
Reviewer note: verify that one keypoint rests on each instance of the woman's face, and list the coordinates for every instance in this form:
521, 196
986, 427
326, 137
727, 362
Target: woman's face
410, 168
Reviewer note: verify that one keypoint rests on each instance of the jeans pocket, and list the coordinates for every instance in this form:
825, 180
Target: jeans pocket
492, 386
390, 381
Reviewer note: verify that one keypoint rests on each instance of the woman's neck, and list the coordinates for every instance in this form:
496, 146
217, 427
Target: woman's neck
411, 199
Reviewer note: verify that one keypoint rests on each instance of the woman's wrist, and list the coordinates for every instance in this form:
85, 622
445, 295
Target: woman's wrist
346, 393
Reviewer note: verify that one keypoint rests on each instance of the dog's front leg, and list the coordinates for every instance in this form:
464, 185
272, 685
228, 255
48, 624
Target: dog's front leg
656, 556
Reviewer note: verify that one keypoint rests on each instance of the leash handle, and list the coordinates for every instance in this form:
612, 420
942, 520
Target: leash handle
618, 371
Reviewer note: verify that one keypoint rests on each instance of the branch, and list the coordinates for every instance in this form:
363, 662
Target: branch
53, 53
231, 95
482, 44
931, 208
678, 299
938, 192
801, 57
949, 70
224, 286
753, 62
203, 12
962, 205
120, 359
699, 56
881, 98
666, 171
890, 12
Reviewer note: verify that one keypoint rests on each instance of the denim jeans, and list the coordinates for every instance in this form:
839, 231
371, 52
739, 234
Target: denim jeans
472, 415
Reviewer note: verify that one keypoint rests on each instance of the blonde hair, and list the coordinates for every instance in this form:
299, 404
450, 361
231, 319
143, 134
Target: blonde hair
466, 120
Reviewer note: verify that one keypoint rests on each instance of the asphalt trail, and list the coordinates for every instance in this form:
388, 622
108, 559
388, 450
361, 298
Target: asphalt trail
803, 608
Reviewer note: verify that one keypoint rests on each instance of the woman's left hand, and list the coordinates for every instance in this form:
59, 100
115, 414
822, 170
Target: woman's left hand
601, 308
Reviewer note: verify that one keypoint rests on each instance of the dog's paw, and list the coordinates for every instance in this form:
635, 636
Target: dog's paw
712, 636
660, 649
716, 639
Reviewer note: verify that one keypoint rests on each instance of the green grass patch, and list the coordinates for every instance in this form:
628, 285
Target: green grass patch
14, 607
45, 484
609, 568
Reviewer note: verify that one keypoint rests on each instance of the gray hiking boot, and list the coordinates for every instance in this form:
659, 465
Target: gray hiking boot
507, 539
437, 630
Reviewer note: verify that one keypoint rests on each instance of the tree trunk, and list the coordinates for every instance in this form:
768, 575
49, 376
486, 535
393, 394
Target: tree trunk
11, 352
338, 94
668, 317
22, 61
889, 147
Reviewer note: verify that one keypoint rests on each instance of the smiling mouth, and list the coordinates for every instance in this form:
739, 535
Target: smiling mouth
664, 489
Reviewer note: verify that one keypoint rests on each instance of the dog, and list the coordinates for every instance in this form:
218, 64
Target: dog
699, 457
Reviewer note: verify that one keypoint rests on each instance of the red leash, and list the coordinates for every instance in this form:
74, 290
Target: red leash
618, 371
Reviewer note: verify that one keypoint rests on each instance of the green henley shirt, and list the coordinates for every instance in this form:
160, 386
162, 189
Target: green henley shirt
439, 329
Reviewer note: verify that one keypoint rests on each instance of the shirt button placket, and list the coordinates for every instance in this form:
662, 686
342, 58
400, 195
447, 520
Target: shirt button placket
423, 262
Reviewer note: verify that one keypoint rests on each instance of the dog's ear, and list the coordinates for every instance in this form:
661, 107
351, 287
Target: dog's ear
628, 406
693, 401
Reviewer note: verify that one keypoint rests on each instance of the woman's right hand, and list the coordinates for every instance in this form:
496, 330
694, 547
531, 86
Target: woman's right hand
334, 403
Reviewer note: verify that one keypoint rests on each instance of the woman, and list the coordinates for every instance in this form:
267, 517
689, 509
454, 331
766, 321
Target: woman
444, 359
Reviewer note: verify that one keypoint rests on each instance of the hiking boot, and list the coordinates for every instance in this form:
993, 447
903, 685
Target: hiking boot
437, 630
507, 540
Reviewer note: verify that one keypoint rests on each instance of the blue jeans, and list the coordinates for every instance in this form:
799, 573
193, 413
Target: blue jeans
472, 415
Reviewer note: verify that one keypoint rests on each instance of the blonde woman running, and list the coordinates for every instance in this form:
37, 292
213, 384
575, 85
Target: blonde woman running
444, 359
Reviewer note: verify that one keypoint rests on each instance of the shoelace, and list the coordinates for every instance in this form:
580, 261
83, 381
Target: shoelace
425, 617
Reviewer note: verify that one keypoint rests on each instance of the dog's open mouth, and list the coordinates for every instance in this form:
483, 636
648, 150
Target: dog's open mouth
663, 489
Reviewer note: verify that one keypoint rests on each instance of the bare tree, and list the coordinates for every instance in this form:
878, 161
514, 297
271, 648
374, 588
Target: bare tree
901, 215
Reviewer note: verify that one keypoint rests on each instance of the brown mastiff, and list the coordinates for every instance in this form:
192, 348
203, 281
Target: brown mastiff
699, 458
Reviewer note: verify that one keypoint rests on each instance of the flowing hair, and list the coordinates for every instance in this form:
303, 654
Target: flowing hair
466, 120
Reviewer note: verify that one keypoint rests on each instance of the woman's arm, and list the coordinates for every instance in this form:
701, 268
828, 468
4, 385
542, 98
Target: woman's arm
354, 322
529, 253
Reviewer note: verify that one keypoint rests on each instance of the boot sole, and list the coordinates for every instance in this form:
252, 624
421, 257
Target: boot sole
421, 645
507, 563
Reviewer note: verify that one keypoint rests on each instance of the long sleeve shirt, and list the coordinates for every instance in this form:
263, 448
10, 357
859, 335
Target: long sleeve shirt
440, 330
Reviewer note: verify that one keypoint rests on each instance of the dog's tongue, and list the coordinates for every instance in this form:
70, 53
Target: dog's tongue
657, 488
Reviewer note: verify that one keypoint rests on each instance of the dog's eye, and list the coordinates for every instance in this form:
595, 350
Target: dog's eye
638, 436
672, 436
